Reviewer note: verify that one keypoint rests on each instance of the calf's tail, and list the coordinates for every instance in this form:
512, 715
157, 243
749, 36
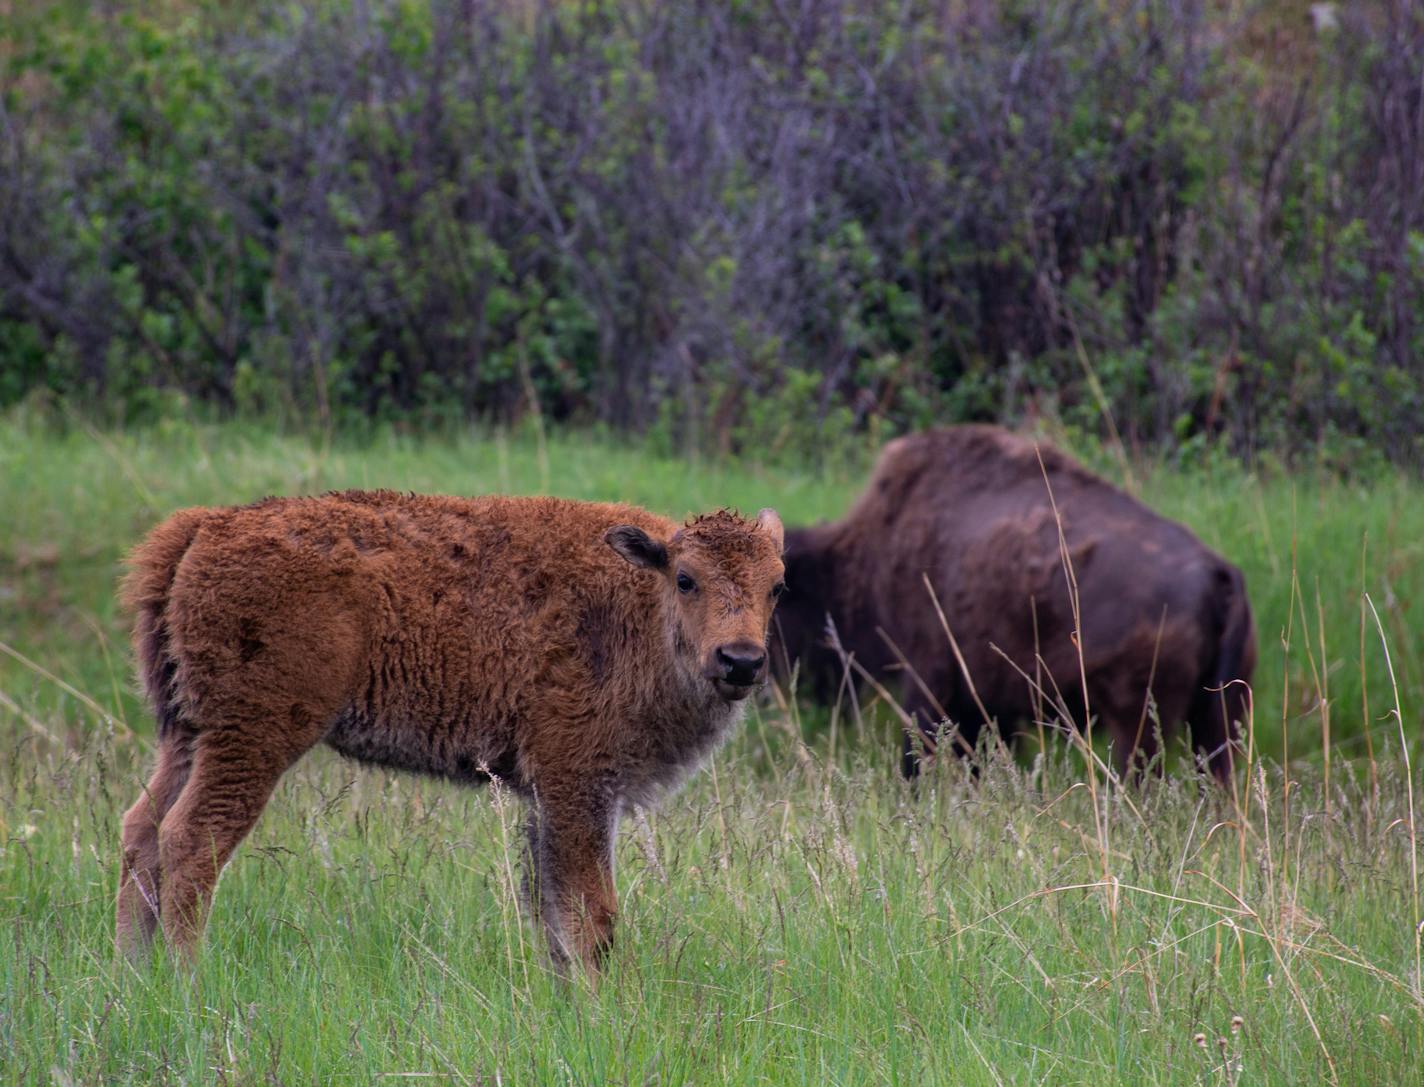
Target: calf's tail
1222, 706
151, 569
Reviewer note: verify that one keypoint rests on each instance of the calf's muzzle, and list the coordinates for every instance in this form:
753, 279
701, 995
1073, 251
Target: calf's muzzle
739, 666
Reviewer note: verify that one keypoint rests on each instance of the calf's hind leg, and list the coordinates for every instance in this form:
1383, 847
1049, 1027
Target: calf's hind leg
136, 914
233, 775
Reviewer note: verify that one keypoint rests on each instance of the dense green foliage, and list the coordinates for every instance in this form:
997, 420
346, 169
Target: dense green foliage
731, 226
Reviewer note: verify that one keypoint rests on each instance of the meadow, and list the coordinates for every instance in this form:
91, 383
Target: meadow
797, 914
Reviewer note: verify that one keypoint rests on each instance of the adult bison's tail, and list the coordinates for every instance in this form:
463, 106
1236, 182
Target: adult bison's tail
151, 568
1223, 705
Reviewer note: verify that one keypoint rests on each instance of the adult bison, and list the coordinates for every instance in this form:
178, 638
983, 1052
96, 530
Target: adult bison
586, 655
968, 510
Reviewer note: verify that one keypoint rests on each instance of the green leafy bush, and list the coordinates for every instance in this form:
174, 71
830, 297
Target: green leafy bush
735, 225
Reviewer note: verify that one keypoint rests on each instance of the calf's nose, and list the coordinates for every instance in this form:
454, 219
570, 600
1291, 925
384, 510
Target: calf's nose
741, 664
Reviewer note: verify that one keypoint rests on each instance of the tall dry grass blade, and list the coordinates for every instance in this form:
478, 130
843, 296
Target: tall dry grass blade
1238, 910
1372, 810
910, 726
1147, 694
1317, 670
954, 645
1418, 921
847, 685
30, 720
964, 670
112, 450
1037, 701
509, 903
1066, 556
998, 1079
908, 723
1287, 635
910, 670
1075, 737
93, 624
1324, 699
1274, 943
1240, 805
104, 715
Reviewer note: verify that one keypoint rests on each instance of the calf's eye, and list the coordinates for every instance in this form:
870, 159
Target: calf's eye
778, 589
685, 584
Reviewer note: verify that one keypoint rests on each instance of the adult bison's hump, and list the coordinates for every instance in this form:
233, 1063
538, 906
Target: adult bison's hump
1030, 555
971, 478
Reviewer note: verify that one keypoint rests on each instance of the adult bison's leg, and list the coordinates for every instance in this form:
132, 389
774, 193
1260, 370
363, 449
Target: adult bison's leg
910, 749
1137, 717
1135, 745
918, 746
571, 834
935, 735
136, 916
235, 769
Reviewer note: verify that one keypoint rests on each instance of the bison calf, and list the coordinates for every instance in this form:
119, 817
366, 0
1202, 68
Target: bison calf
588, 656
1164, 622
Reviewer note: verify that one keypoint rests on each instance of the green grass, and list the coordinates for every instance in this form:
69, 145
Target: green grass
73, 504
796, 916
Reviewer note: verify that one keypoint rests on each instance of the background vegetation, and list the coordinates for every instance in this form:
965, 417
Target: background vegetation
727, 225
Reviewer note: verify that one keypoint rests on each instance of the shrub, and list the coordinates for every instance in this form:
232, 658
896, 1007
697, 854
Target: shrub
727, 221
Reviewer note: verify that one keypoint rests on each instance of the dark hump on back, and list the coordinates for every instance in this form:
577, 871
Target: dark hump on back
990, 458
970, 457
922, 476
976, 474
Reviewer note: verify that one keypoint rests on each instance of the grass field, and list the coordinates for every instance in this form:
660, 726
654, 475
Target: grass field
796, 915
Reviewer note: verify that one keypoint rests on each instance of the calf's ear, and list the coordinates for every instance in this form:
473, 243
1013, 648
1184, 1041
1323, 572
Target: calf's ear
636, 546
770, 522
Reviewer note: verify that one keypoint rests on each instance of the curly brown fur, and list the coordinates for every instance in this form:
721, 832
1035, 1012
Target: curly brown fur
968, 506
587, 655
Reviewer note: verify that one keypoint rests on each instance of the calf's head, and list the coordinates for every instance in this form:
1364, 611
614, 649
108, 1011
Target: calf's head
721, 576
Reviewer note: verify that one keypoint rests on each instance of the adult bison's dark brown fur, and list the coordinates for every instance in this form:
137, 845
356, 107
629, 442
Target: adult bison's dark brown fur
587, 655
969, 508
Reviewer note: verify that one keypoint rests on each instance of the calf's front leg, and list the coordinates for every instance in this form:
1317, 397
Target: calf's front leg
570, 877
